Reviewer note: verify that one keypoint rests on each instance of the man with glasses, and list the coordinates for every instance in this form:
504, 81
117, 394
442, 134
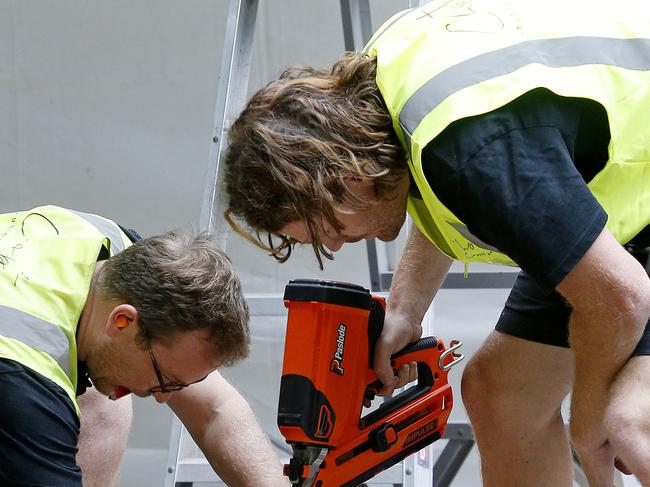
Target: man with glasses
82, 305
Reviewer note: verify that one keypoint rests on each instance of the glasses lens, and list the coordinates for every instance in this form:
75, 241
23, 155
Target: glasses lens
167, 388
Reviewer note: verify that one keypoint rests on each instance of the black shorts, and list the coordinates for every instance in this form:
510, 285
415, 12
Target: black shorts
39, 430
540, 316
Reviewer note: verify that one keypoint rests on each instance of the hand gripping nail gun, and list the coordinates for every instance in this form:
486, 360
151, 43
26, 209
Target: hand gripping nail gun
327, 375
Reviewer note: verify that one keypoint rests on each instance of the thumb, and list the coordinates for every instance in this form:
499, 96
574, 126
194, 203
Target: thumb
417, 333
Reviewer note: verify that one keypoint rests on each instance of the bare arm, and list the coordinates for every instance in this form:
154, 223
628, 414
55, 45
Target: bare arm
225, 428
419, 275
609, 293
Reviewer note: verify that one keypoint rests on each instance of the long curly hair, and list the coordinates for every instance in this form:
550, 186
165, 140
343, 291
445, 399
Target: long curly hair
297, 142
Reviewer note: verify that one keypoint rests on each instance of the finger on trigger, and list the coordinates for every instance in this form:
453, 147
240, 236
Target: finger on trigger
388, 388
403, 375
386, 376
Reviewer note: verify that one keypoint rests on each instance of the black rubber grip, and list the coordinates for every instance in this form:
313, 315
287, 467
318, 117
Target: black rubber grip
421, 344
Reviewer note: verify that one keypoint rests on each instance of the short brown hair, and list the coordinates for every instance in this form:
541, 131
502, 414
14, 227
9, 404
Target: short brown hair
298, 140
181, 282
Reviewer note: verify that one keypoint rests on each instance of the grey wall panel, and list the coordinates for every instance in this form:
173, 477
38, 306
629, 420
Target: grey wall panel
9, 169
115, 106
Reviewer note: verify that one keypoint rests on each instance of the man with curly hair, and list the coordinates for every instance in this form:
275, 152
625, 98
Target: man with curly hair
511, 134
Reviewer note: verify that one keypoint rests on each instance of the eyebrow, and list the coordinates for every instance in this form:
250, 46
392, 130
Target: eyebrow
172, 380
169, 380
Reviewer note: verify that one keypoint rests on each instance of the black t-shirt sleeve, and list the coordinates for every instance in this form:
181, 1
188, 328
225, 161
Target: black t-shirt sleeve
510, 177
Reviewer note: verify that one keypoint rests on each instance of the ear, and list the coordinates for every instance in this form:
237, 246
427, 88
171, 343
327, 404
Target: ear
364, 188
361, 188
120, 318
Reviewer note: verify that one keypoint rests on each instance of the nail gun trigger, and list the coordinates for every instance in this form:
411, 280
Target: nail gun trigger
372, 390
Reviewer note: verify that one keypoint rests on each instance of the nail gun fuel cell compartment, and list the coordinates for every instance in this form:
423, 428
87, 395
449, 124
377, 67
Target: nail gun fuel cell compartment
298, 396
328, 331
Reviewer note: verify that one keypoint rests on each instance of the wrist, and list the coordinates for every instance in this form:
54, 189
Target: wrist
404, 313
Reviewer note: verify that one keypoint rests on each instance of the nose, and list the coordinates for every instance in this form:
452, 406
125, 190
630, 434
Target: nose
162, 397
333, 244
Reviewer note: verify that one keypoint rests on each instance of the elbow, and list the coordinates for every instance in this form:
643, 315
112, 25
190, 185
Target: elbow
641, 299
633, 307
625, 307
644, 302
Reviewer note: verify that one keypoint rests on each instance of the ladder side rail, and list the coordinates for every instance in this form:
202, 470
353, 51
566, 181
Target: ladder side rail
231, 98
231, 95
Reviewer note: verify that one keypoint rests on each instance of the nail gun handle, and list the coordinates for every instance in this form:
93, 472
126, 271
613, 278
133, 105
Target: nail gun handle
406, 355
426, 343
426, 353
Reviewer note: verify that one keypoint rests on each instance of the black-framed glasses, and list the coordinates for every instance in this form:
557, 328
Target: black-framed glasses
164, 387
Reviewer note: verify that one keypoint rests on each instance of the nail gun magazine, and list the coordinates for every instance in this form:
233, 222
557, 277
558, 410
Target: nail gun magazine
327, 377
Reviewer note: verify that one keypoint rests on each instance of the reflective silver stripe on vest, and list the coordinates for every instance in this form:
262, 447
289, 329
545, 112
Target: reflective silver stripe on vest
562, 52
470, 237
108, 229
36, 333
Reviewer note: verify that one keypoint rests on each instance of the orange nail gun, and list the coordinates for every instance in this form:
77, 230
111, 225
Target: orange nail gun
327, 376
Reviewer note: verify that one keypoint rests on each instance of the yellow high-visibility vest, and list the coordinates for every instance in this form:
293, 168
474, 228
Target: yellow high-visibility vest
449, 60
47, 258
